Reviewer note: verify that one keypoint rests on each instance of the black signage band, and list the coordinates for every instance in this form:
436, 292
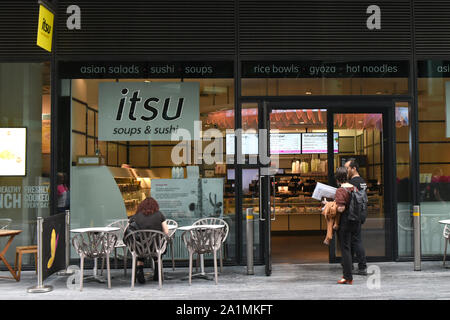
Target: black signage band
322, 69
250, 69
433, 69
145, 70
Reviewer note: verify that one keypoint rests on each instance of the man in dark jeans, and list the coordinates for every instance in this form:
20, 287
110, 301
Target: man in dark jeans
356, 245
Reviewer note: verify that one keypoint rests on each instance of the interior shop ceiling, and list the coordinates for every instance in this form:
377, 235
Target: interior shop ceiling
297, 119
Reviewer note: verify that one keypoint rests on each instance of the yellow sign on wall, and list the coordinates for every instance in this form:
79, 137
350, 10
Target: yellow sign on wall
45, 28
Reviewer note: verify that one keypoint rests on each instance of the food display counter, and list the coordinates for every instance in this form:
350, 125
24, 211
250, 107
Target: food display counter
129, 187
295, 209
144, 177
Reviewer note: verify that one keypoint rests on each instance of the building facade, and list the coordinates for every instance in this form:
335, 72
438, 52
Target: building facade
323, 81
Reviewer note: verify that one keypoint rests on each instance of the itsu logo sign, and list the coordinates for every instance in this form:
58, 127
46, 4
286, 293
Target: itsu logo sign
146, 111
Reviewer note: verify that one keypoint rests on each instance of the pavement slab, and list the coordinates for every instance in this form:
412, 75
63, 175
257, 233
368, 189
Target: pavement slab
385, 281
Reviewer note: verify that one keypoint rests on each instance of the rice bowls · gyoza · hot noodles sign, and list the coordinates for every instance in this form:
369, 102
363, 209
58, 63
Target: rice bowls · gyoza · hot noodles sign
146, 110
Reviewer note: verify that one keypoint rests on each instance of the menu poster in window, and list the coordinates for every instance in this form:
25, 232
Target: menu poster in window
401, 116
13, 148
177, 198
212, 197
336, 142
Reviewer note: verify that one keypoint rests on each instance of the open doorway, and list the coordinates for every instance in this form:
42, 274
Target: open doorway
298, 138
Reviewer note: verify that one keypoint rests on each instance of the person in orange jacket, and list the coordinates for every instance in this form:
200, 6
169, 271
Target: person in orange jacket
332, 216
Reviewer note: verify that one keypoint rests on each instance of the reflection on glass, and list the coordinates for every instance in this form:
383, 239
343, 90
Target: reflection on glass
188, 178
325, 86
361, 137
434, 165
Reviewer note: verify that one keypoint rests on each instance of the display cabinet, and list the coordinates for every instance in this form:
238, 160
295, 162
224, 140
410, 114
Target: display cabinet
130, 188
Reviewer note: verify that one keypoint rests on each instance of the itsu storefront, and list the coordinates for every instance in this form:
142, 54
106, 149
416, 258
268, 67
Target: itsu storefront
176, 103
178, 114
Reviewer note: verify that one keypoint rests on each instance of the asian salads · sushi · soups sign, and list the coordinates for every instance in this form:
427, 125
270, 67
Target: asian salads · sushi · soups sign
146, 111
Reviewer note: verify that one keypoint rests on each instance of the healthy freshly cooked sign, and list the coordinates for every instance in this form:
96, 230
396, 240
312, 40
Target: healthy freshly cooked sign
146, 111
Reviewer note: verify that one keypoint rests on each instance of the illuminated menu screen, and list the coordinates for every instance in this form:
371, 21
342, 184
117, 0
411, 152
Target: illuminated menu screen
285, 143
13, 144
317, 142
280, 143
249, 143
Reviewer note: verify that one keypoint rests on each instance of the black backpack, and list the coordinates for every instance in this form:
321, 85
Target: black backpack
357, 208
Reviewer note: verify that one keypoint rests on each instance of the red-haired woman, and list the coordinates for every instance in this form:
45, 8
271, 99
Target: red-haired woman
148, 216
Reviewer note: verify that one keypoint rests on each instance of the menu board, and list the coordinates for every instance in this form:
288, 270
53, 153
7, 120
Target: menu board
176, 197
317, 142
336, 142
249, 143
285, 143
13, 148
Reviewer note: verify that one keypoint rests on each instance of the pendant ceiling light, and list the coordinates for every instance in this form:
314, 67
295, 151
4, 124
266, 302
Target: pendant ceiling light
305, 117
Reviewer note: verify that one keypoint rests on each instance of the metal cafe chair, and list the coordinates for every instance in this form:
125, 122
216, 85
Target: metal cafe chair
446, 235
5, 223
225, 230
172, 231
94, 245
121, 224
146, 244
202, 241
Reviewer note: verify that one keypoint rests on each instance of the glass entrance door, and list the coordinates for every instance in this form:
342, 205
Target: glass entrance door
306, 145
362, 141
298, 147
266, 183
291, 222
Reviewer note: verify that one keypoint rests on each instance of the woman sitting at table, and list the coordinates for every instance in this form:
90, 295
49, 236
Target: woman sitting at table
148, 216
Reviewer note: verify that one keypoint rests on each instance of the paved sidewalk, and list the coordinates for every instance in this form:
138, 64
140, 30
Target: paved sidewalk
397, 281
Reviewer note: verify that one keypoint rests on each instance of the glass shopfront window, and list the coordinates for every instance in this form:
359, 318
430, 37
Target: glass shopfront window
404, 214
24, 151
324, 78
186, 173
434, 152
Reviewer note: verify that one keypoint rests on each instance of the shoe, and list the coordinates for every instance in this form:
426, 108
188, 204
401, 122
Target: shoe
345, 281
140, 274
360, 272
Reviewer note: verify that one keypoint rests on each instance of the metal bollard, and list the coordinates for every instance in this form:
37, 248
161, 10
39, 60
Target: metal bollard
39, 288
249, 216
417, 244
67, 271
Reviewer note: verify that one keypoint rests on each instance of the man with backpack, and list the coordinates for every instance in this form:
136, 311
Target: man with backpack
357, 247
347, 226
